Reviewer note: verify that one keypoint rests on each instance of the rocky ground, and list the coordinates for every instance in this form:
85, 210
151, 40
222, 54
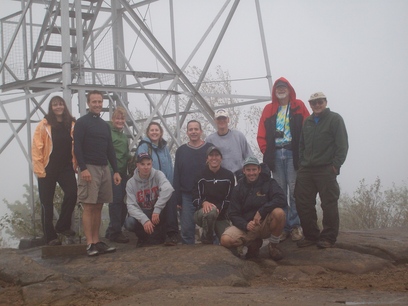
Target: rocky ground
365, 268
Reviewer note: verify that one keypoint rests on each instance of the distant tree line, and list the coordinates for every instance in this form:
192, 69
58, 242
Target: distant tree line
371, 207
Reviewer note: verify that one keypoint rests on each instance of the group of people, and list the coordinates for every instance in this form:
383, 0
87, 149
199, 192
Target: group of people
215, 183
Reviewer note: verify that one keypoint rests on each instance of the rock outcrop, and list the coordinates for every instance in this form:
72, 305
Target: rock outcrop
199, 274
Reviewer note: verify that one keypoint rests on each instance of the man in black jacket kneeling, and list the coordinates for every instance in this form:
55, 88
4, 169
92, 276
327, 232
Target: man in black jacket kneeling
256, 212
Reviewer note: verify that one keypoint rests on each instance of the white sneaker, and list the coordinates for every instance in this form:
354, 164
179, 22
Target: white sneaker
297, 234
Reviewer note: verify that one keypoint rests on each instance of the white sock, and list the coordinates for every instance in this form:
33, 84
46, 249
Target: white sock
274, 239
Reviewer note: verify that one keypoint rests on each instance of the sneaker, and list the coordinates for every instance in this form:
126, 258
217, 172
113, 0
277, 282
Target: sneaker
324, 244
283, 236
103, 248
55, 242
68, 233
274, 252
253, 248
171, 240
91, 250
121, 238
297, 234
305, 243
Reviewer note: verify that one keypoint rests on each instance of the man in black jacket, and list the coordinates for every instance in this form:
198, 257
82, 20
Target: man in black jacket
256, 212
211, 195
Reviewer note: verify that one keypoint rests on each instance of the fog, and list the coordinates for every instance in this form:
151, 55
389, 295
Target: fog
354, 51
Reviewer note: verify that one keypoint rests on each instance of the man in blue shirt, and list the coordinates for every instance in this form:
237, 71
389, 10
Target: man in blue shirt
189, 162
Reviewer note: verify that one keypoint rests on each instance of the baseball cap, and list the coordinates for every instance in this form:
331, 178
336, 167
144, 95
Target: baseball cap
251, 161
221, 113
142, 156
281, 83
317, 95
213, 148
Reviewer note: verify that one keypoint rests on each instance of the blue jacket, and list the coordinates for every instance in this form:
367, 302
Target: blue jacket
160, 155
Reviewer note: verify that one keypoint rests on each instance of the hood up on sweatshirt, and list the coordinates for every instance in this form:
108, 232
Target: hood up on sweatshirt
292, 93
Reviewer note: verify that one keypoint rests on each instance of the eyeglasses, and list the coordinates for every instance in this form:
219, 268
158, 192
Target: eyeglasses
315, 102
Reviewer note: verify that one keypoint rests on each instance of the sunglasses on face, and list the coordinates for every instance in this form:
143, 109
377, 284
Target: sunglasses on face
316, 102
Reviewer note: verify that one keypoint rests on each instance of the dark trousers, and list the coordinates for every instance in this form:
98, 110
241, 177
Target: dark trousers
117, 210
157, 237
309, 182
46, 189
172, 227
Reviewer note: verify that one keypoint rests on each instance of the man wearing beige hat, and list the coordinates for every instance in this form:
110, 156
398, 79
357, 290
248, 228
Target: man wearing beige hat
323, 149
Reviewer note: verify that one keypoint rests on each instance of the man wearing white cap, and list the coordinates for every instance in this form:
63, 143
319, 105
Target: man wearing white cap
232, 143
323, 149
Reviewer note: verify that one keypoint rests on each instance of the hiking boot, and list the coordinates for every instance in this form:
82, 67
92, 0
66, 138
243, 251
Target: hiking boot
235, 252
103, 248
171, 240
297, 234
68, 233
253, 248
91, 250
206, 240
274, 252
305, 243
55, 242
324, 244
283, 236
121, 238
140, 243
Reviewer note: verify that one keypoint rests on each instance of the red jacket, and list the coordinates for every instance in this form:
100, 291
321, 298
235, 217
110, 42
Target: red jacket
267, 126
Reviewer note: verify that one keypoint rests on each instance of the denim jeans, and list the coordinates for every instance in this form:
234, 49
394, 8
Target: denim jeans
187, 223
117, 210
285, 175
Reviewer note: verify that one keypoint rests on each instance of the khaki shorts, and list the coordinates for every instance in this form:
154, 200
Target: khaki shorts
244, 238
99, 189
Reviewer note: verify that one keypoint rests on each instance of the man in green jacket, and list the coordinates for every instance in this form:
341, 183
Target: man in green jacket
323, 149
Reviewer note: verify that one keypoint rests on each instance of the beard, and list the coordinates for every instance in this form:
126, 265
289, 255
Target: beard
281, 96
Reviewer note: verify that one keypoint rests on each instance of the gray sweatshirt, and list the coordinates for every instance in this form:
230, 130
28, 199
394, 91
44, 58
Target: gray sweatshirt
147, 194
234, 148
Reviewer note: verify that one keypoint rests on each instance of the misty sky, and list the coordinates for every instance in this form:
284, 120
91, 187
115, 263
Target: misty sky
354, 51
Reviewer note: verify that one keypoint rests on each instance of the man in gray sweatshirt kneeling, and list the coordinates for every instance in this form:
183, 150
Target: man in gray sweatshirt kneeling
147, 194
